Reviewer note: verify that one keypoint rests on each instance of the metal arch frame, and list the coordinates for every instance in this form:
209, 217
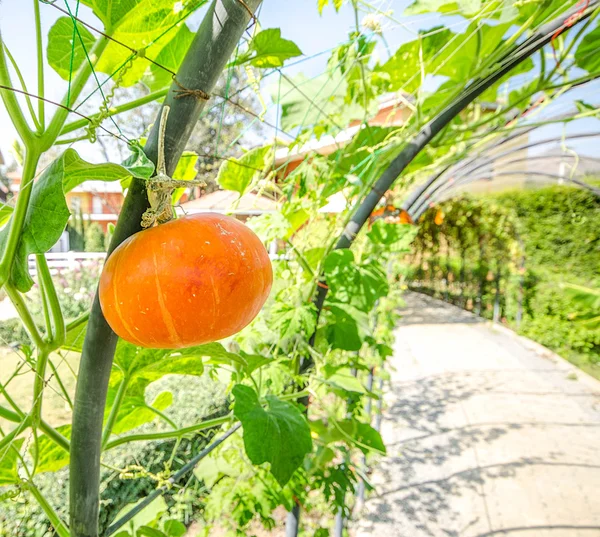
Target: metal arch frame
468, 160
428, 190
420, 210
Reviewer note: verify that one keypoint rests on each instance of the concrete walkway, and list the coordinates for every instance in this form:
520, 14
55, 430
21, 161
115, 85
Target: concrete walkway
487, 435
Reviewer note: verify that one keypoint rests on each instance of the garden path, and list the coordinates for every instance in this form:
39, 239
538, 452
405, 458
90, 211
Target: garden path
487, 433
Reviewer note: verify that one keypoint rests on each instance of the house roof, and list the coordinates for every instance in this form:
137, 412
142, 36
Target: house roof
223, 201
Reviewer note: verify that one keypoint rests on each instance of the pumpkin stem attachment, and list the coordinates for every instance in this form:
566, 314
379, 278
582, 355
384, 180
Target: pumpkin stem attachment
160, 187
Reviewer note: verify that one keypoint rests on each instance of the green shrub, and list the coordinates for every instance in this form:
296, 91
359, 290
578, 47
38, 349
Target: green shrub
94, 238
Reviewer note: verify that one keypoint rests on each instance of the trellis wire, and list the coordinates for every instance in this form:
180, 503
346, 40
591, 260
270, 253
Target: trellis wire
188, 467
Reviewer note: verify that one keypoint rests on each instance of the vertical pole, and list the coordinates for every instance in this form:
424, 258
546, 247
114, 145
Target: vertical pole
292, 524
519, 317
361, 485
338, 529
378, 416
497, 312
479, 306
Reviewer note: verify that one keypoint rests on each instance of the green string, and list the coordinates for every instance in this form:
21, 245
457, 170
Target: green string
91, 64
72, 57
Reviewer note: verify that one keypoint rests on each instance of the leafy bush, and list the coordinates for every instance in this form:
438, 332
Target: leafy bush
95, 240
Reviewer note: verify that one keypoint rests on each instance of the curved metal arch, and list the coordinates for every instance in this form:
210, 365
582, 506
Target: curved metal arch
420, 210
468, 160
426, 192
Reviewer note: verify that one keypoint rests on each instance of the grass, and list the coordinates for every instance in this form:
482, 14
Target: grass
56, 409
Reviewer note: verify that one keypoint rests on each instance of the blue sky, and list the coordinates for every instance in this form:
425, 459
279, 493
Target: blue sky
298, 20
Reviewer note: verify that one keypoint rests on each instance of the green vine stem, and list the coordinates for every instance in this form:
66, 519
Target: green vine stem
191, 429
113, 111
25, 315
24, 87
60, 116
40, 66
58, 525
11, 103
58, 335
215, 41
18, 217
177, 433
38, 386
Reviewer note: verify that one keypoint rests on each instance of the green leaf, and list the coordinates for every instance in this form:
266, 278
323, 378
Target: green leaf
149, 27
174, 528
148, 515
291, 320
240, 174
144, 366
337, 4
269, 50
9, 463
279, 435
138, 164
212, 468
399, 235
170, 57
134, 411
346, 328
146, 531
65, 51
404, 66
350, 283
344, 379
5, 213
586, 55
52, 457
270, 226
45, 220
47, 214
76, 335
364, 436
466, 7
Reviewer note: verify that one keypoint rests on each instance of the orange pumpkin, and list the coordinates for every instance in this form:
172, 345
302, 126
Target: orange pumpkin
190, 281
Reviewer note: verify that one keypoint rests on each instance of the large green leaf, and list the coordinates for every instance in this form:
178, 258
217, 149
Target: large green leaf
134, 411
112, 12
52, 457
346, 328
144, 366
48, 213
586, 55
293, 320
170, 57
268, 50
351, 431
360, 285
9, 458
404, 67
151, 29
240, 174
279, 434
65, 50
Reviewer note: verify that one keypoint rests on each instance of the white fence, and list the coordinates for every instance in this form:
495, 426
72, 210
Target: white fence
67, 260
